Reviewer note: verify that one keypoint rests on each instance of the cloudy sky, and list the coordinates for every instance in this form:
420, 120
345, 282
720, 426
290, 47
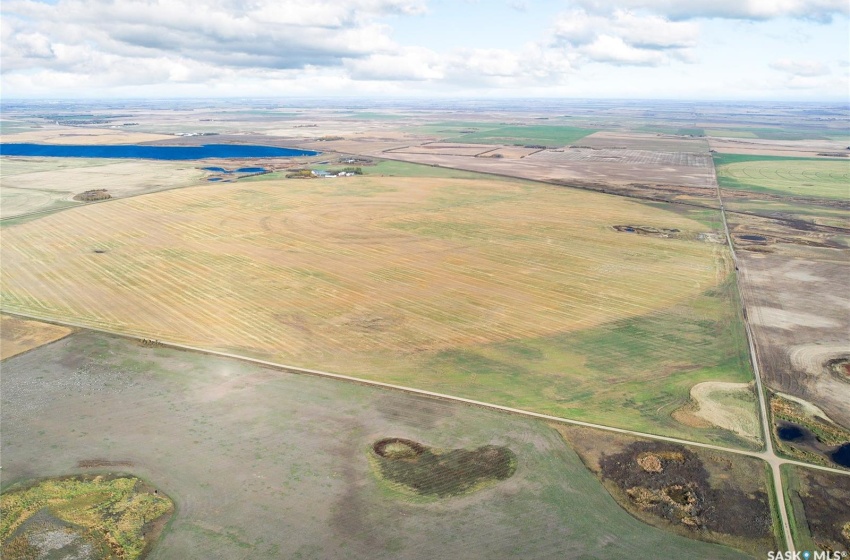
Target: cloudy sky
694, 49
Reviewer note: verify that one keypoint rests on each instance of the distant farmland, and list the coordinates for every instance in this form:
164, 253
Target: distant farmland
513, 293
808, 177
533, 134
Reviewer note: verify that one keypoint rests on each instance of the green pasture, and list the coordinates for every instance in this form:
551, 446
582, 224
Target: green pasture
14, 127
770, 133
677, 131
631, 373
809, 177
799, 528
548, 135
387, 168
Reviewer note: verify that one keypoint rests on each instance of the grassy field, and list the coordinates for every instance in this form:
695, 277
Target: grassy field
391, 168
106, 516
19, 335
18, 202
513, 293
548, 135
43, 184
787, 176
730, 133
770, 133
451, 128
633, 372
14, 127
386, 168
794, 505
819, 505
240, 449
677, 131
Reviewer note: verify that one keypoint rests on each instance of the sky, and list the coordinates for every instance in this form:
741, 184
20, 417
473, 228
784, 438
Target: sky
788, 50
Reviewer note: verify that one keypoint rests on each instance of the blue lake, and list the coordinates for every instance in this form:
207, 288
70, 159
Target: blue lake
153, 152
240, 170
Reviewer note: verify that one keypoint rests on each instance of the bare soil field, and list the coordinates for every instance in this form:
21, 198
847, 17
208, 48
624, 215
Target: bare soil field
33, 184
509, 152
265, 464
20, 335
446, 149
797, 305
364, 145
731, 406
820, 504
626, 157
637, 165
644, 142
793, 268
598, 174
700, 493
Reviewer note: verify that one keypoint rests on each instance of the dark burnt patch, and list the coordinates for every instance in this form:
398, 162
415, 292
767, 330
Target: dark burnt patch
441, 473
671, 482
93, 195
648, 230
826, 504
102, 463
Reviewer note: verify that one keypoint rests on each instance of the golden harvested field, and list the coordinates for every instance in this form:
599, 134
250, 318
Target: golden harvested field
20, 335
638, 141
355, 265
56, 134
435, 283
34, 184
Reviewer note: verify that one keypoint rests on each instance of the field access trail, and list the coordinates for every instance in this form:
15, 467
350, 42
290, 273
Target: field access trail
769, 454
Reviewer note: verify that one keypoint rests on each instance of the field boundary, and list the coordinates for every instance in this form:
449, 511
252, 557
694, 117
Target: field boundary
421, 392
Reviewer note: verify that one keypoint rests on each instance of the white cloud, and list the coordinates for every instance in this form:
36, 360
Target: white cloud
624, 37
271, 47
518, 5
804, 68
820, 10
261, 34
408, 64
606, 48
